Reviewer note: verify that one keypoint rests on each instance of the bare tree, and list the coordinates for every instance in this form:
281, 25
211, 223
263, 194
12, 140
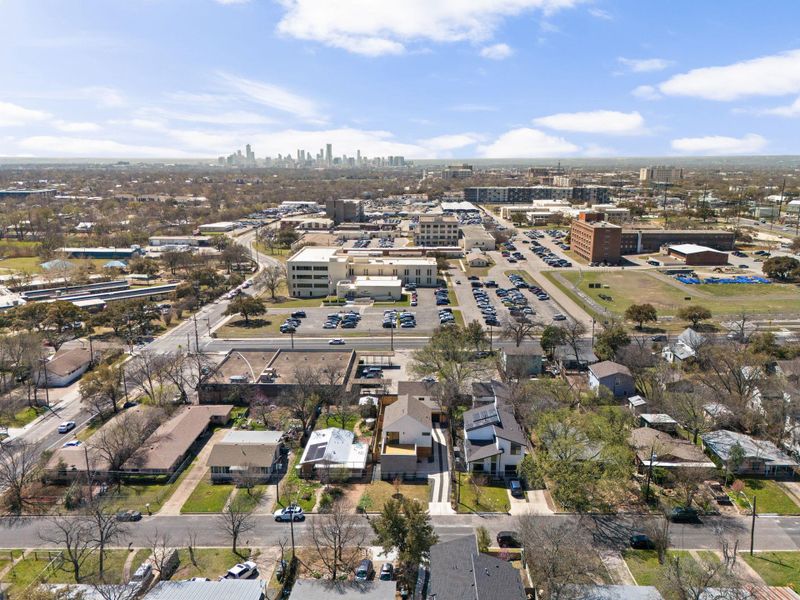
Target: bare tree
236, 519
148, 370
105, 530
115, 591
74, 536
119, 439
191, 545
690, 580
519, 330
273, 277
688, 410
657, 529
19, 465
160, 550
574, 332
338, 538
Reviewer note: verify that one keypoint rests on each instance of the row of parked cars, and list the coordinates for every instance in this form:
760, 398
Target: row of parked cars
441, 295
404, 319
386, 243
291, 324
446, 317
345, 320
549, 258
488, 311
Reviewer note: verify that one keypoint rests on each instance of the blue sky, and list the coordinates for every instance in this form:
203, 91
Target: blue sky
421, 78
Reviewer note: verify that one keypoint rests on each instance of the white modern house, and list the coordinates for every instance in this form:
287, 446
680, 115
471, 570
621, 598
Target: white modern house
406, 437
333, 450
494, 443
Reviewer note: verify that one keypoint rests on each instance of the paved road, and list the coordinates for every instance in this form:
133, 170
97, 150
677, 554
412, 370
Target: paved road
772, 533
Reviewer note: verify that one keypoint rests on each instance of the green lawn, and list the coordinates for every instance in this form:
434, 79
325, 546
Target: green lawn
32, 264
258, 327
451, 296
6, 556
629, 287
644, 565
249, 501
24, 416
378, 493
459, 318
31, 568
492, 498
211, 562
405, 300
207, 497
771, 498
307, 489
777, 568
324, 421
136, 496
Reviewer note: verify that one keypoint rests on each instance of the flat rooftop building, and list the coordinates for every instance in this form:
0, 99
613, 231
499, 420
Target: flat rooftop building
595, 240
695, 255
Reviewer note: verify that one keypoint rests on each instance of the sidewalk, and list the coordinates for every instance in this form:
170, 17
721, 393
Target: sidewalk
536, 504
172, 507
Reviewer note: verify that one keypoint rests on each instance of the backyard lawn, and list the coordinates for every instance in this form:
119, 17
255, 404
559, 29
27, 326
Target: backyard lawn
490, 498
207, 497
644, 565
378, 493
771, 498
332, 420
777, 568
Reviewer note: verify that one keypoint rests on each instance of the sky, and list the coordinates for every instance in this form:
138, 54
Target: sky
418, 78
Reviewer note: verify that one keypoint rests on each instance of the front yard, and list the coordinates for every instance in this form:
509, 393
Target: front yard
207, 497
644, 565
211, 562
777, 568
481, 498
304, 490
379, 492
771, 498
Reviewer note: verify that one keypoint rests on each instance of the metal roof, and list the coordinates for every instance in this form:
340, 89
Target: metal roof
225, 589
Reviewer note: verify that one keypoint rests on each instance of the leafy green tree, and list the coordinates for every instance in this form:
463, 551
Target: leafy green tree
405, 526
484, 539
475, 335
781, 267
610, 340
247, 306
103, 389
552, 336
641, 314
694, 314
31, 316
287, 237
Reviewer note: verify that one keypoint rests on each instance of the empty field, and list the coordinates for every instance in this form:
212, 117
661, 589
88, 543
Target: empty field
667, 296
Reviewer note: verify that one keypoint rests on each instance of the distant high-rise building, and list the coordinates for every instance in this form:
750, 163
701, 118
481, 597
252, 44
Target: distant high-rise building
329, 153
660, 174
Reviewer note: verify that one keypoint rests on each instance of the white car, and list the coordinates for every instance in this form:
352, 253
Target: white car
72, 444
290, 513
66, 427
336, 342
244, 570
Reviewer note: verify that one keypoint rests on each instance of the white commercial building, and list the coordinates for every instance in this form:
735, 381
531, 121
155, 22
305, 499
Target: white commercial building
218, 227
315, 272
436, 230
377, 288
476, 237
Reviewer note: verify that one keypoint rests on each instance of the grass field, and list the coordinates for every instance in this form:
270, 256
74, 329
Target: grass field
32, 264
378, 493
24, 416
629, 287
644, 565
771, 498
325, 420
207, 497
211, 562
492, 498
777, 568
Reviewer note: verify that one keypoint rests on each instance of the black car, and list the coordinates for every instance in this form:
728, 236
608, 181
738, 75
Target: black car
682, 514
299, 314
387, 572
640, 541
508, 539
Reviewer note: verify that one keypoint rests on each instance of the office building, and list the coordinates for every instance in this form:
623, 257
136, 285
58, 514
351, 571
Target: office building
511, 195
436, 230
329, 153
639, 241
344, 210
660, 174
595, 240
457, 172
475, 237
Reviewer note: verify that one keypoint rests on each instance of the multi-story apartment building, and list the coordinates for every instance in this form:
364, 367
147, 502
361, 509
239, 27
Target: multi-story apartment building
503, 195
660, 174
344, 210
436, 230
595, 240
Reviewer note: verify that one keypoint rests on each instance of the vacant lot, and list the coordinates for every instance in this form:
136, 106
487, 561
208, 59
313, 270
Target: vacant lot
629, 287
482, 498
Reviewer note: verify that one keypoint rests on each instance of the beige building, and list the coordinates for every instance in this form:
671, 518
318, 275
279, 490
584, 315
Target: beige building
436, 230
475, 237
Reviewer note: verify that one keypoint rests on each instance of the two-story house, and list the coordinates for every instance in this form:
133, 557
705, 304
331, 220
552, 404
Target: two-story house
406, 437
494, 443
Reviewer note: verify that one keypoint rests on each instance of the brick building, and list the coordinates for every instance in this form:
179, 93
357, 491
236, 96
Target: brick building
595, 240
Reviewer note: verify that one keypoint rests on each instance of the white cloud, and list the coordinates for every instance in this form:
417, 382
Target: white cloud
527, 143
719, 144
646, 92
644, 65
609, 122
774, 75
233, 117
497, 51
792, 110
48, 145
273, 96
76, 126
601, 14
450, 142
13, 115
378, 28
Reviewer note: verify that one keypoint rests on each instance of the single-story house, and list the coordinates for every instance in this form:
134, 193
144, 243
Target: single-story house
524, 360
613, 376
223, 589
406, 437
565, 355
494, 443
325, 589
63, 368
459, 572
333, 449
668, 452
170, 444
251, 454
659, 421
477, 259
761, 457
684, 347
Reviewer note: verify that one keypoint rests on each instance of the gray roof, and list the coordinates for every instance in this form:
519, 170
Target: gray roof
407, 406
479, 450
501, 419
322, 589
225, 589
720, 443
613, 592
608, 368
417, 388
459, 572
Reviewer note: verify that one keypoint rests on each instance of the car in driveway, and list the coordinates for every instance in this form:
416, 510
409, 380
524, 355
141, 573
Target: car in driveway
336, 342
365, 570
290, 513
515, 487
640, 541
508, 539
66, 426
129, 516
387, 572
244, 570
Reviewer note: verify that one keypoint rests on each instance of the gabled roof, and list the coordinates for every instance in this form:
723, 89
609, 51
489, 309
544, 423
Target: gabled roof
245, 448
691, 338
646, 439
417, 388
720, 442
496, 578
607, 368
68, 361
406, 406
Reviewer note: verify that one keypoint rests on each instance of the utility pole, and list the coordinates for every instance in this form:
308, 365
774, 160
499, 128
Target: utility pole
88, 471
91, 351
780, 203
124, 382
753, 526
46, 383
649, 475
291, 333
391, 337
196, 335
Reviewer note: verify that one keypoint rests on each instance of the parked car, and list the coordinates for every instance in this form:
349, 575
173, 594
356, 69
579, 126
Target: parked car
508, 539
683, 514
66, 427
244, 570
290, 513
365, 571
299, 314
640, 541
129, 516
387, 572
516, 488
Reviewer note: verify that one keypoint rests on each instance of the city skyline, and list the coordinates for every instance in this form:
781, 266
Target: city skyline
521, 79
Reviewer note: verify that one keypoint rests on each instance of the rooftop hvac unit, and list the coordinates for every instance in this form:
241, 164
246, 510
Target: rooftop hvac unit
238, 379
